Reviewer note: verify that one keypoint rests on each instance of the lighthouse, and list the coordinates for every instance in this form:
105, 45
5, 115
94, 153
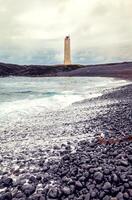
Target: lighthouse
67, 51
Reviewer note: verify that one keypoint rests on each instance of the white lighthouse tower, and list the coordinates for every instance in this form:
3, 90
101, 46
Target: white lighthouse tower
67, 51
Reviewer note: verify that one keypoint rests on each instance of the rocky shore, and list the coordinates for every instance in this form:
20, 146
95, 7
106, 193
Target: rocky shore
92, 171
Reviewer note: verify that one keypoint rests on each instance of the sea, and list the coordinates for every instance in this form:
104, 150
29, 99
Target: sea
38, 112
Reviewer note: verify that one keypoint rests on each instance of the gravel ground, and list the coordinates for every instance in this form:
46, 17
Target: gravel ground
89, 171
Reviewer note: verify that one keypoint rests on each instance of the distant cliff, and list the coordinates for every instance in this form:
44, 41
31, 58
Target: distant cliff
121, 70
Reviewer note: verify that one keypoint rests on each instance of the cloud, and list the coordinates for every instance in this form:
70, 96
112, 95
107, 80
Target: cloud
100, 30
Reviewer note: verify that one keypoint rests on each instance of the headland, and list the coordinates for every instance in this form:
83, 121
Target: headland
117, 70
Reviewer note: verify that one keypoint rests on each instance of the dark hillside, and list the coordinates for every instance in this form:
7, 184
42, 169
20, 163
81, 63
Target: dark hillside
121, 70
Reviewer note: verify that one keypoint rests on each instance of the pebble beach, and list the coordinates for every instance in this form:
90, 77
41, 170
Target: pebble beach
77, 170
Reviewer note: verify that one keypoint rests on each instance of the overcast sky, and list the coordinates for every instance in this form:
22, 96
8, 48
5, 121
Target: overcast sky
32, 31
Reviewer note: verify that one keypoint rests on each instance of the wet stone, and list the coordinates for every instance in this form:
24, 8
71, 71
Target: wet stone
7, 181
53, 192
91, 170
66, 157
28, 189
130, 158
82, 178
38, 177
93, 194
114, 191
45, 168
114, 177
126, 195
87, 197
107, 186
106, 198
130, 192
102, 194
66, 190
36, 197
124, 162
86, 175
130, 184
106, 171
6, 196
78, 184
42, 198
46, 177
32, 179
98, 176
19, 195
119, 196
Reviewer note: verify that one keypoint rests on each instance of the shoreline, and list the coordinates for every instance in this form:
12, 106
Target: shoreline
92, 171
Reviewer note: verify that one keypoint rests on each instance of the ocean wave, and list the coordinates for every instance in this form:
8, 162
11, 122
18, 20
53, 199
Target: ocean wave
50, 94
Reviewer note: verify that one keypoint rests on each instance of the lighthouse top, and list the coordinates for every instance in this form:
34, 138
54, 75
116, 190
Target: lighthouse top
67, 37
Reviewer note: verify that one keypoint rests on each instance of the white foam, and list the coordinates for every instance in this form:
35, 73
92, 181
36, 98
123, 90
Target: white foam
64, 92
29, 105
69, 91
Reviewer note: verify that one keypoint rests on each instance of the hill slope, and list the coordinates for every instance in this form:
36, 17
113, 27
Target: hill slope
121, 70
